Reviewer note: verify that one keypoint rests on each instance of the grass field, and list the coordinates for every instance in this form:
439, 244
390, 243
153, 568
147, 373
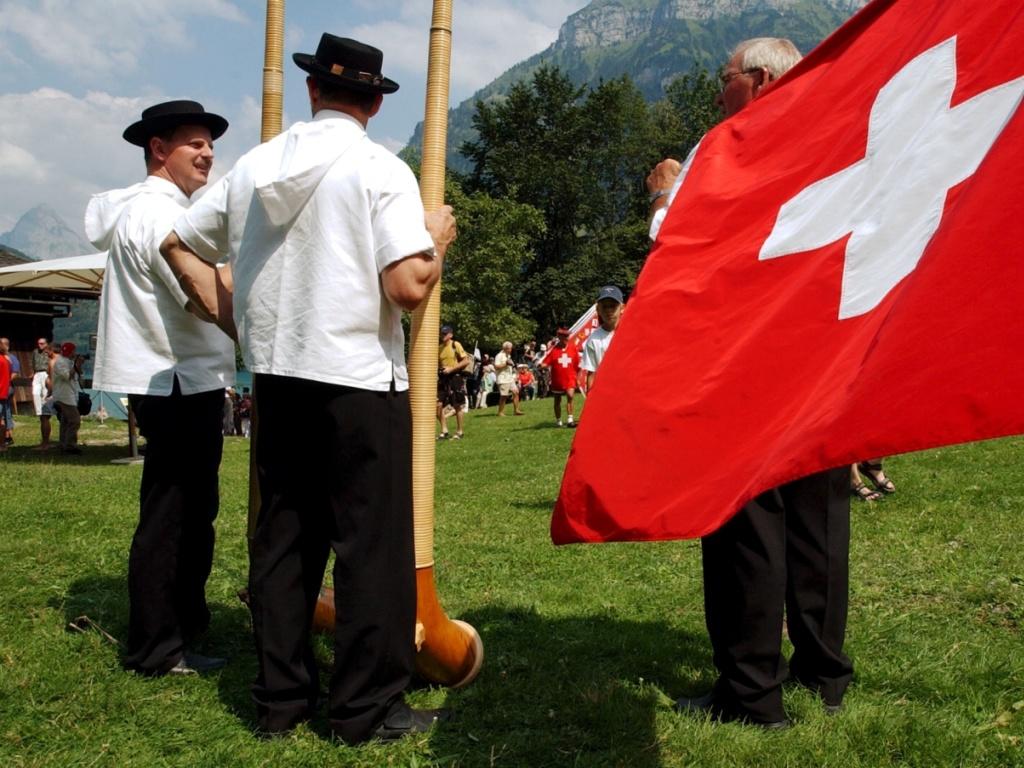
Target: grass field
586, 646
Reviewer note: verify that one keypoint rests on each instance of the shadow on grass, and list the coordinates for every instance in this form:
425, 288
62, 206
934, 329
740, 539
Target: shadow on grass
582, 689
91, 455
566, 691
104, 599
553, 691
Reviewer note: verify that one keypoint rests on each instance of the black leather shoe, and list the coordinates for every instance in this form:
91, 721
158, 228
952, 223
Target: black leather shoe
196, 664
402, 720
830, 707
705, 705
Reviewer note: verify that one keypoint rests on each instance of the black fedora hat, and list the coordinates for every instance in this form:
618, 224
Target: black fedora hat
348, 63
171, 114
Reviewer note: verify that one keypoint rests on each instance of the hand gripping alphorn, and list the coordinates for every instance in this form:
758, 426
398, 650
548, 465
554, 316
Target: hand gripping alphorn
448, 652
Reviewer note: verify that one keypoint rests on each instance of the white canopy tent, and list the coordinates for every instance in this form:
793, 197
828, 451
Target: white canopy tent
73, 276
76, 275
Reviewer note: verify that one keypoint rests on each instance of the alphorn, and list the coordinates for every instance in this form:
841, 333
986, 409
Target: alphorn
447, 652
270, 126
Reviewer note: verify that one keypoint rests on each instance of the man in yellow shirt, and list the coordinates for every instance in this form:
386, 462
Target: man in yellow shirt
452, 361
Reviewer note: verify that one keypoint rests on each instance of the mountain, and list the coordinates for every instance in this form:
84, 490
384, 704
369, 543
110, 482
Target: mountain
10, 256
42, 234
653, 41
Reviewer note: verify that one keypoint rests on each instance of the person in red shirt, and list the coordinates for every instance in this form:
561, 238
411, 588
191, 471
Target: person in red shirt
524, 377
564, 361
5, 392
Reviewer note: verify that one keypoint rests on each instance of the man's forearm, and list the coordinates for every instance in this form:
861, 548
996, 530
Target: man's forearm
209, 288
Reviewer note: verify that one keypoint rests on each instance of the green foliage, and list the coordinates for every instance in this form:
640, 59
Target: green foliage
483, 268
580, 156
585, 646
691, 98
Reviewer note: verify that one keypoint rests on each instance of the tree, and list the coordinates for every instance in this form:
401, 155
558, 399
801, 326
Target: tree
688, 111
579, 155
483, 268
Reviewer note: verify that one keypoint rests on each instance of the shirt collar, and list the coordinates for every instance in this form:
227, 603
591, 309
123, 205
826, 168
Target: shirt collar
333, 114
165, 187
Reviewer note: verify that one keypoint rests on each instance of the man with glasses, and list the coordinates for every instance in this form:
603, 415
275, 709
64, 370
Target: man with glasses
786, 550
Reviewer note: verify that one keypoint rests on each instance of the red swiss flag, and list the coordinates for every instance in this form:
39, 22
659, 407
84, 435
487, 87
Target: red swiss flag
840, 277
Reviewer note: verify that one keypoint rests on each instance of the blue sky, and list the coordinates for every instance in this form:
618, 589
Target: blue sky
75, 73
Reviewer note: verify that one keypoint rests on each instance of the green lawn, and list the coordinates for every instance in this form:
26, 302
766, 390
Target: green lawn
586, 646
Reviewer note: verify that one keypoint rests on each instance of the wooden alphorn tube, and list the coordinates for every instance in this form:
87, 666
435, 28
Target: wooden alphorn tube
448, 652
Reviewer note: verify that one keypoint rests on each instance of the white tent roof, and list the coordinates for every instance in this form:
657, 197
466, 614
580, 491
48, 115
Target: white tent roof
82, 274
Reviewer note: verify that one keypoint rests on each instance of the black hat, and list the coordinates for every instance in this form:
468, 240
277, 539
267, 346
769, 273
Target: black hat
348, 63
171, 114
610, 292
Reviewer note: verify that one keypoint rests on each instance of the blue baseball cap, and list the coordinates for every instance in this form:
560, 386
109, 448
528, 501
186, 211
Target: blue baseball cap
610, 292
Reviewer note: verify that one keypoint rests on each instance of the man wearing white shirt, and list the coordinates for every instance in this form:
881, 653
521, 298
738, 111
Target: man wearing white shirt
174, 368
326, 236
609, 310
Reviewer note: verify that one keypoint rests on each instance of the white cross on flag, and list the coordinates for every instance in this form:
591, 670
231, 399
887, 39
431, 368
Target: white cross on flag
841, 277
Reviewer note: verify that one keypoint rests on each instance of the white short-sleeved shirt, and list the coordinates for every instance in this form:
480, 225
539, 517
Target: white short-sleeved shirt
506, 374
310, 219
594, 348
145, 335
659, 215
65, 381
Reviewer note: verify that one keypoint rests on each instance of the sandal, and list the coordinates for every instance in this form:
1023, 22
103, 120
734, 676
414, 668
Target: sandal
876, 476
862, 492
457, 436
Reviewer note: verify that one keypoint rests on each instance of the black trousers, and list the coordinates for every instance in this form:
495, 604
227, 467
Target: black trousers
335, 472
787, 549
172, 550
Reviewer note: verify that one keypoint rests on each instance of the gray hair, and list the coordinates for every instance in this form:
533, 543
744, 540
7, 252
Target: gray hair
506, 345
776, 54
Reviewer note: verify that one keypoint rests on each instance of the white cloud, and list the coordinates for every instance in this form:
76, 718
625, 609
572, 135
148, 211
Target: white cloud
488, 36
60, 144
17, 163
59, 149
74, 146
293, 36
103, 36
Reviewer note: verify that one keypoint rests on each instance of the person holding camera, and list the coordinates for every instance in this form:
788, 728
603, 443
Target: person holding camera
505, 368
67, 371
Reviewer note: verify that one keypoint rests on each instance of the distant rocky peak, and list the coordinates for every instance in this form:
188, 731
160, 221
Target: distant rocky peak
42, 234
605, 23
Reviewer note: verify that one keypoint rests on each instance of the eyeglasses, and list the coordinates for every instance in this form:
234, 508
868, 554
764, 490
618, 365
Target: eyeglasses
726, 77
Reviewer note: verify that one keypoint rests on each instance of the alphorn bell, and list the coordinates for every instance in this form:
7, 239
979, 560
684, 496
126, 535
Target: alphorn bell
448, 652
